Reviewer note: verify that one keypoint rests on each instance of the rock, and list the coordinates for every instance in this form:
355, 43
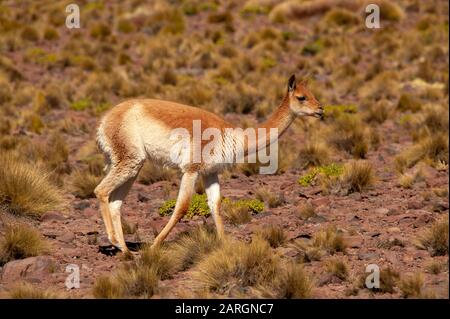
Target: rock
414, 204
423, 220
382, 211
355, 196
374, 234
440, 206
393, 212
368, 256
393, 230
320, 201
31, 268
354, 241
52, 216
90, 213
81, 205
143, 198
67, 238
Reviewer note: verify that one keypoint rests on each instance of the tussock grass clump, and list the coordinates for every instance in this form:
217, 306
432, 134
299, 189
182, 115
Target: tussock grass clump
435, 239
341, 17
432, 149
127, 283
28, 291
273, 234
388, 280
313, 154
294, 282
83, 183
140, 279
357, 176
407, 180
412, 286
350, 135
26, 189
237, 265
306, 211
151, 173
435, 267
378, 113
272, 199
190, 247
330, 240
338, 268
390, 10
21, 241
235, 214
408, 102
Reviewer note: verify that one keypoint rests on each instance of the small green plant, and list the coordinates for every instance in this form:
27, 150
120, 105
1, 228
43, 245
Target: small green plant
81, 105
333, 111
329, 171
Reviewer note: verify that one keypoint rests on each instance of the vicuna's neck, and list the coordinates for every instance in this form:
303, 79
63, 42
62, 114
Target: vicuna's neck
280, 120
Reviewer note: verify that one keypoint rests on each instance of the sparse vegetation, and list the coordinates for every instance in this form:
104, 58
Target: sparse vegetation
26, 189
274, 235
357, 176
21, 241
28, 291
435, 239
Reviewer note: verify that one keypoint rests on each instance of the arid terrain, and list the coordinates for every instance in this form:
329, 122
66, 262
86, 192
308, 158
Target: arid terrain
368, 185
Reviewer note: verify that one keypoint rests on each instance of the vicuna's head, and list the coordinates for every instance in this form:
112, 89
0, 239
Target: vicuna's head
301, 101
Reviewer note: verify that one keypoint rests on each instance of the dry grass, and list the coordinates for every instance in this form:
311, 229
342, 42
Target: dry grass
26, 189
21, 241
272, 199
28, 291
433, 149
349, 134
294, 283
235, 214
338, 268
412, 286
313, 154
139, 279
329, 239
273, 234
357, 176
306, 211
83, 183
435, 239
407, 180
190, 247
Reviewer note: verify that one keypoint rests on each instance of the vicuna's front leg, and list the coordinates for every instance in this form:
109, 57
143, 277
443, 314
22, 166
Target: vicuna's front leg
213, 192
184, 199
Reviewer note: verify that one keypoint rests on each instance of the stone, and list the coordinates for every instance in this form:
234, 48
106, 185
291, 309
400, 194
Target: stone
90, 213
414, 204
143, 198
81, 205
31, 268
354, 241
67, 237
368, 256
52, 216
382, 211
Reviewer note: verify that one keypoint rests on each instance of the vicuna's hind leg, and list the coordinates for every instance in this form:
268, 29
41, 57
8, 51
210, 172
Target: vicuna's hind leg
184, 198
213, 192
110, 193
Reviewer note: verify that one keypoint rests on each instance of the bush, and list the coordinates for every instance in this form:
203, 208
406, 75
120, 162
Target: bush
26, 189
20, 241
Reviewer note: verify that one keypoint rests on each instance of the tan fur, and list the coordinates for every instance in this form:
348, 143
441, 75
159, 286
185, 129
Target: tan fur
140, 129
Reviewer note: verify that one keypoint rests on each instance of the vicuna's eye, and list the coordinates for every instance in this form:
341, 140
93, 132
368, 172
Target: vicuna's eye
301, 98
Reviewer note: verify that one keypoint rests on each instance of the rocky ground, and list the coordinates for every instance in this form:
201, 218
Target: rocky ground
381, 225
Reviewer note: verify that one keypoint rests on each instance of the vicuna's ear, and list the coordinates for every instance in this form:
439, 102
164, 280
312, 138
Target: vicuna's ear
291, 83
